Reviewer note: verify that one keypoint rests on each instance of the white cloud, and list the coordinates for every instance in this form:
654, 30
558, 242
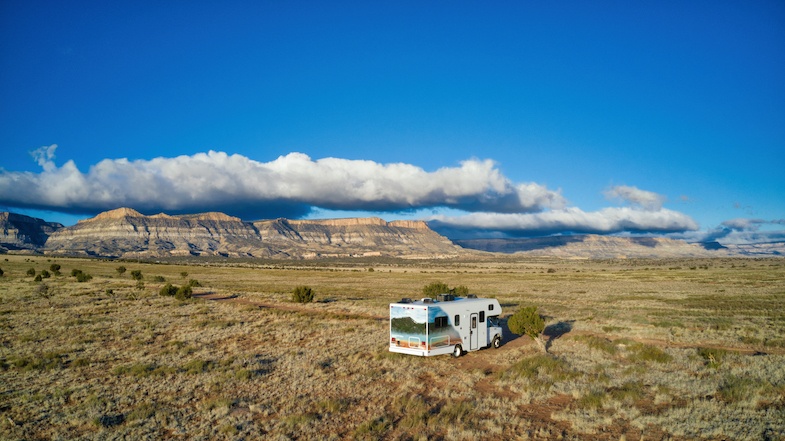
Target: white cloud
574, 220
635, 196
286, 186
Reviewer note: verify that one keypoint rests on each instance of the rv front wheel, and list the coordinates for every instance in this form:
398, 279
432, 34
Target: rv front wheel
497, 342
457, 351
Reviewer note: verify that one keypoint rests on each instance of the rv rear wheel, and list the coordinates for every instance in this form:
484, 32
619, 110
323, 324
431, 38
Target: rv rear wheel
497, 342
457, 351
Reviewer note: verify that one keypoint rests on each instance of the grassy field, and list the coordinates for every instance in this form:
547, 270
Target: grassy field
639, 349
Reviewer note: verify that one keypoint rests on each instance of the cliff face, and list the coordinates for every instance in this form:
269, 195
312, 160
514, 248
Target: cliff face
127, 233
18, 231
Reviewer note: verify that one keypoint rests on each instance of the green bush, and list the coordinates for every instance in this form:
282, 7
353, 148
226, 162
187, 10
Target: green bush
1, 272
31, 272
38, 278
137, 275
460, 290
527, 321
194, 283
168, 290
434, 289
302, 294
45, 274
55, 268
159, 279
83, 277
185, 292
75, 272
120, 270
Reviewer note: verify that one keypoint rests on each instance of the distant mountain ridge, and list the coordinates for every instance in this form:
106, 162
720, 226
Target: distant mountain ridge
20, 232
126, 233
609, 247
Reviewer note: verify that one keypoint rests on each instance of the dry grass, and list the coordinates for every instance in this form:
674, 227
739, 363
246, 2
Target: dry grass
650, 349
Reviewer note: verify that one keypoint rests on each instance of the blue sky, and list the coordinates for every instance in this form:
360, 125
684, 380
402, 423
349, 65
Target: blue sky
484, 118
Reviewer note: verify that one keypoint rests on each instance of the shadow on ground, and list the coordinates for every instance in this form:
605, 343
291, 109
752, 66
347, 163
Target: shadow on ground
556, 330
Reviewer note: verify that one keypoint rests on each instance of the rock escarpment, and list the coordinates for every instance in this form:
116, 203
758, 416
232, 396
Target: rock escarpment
127, 233
20, 232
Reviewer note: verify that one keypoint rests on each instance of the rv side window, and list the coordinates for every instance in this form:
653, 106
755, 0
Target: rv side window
457, 320
440, 322
490, 307
482, 316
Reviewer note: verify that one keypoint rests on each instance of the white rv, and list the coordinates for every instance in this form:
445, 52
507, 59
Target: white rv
447, 325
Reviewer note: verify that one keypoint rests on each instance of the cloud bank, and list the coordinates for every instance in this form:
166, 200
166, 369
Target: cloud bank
289, 186
566, 220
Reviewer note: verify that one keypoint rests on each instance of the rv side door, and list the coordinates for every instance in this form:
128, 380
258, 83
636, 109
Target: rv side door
474, 338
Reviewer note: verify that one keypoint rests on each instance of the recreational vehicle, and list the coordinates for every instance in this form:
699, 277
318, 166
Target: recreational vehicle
446, 325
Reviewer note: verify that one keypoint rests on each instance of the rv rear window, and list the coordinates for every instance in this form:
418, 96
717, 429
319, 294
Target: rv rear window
490, 307
457, 320
482, 316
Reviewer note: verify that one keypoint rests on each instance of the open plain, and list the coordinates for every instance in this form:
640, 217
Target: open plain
638, 349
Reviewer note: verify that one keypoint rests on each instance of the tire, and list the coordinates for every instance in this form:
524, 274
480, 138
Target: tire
457, 351
497, 342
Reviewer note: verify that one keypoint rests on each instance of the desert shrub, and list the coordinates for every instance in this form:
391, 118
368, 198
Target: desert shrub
184, 274
712, 356
302, 294
735, 389
527, 321
31, 272
1, 272
194, 283
75, 272
83, 277
434, 289
184, 292
55, 267
168, 290
38, 278
159, 279
137, 275
460, 290
120, 270
43, 291
45, 274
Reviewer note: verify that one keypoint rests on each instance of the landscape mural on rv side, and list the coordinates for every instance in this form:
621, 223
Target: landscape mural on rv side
408, 327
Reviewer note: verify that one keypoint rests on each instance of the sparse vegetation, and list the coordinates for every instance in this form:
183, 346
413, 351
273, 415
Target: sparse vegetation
249, 363
137, 274
302, 294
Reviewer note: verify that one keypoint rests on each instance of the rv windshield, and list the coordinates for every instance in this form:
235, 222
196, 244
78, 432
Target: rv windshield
493, 321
